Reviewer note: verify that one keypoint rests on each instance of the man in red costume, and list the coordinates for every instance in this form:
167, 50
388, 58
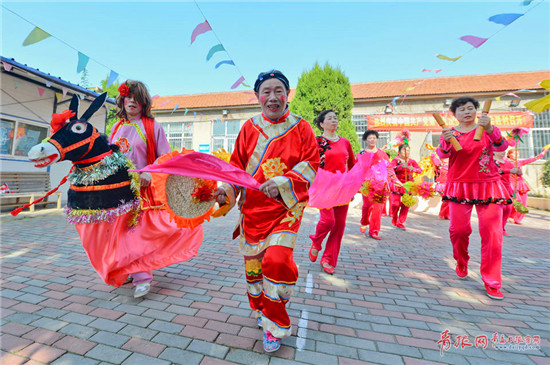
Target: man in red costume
279, 150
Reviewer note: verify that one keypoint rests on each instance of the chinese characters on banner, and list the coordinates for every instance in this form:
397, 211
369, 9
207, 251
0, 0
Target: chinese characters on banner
426, 122
500, 342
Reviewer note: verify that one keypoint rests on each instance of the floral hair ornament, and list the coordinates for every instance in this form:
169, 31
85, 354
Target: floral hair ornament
124, 89
403, 138
59, 120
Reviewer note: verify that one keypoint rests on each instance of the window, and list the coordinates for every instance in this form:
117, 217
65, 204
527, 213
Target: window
224, 134
360, 121
17, 138
179, 134
538, 137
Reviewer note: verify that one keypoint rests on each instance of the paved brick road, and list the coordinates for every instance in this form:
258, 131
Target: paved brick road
388, 302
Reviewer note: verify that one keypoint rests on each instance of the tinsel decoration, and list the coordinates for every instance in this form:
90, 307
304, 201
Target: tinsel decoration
106, 167
520, 207
80, 216
203, 191
408, 200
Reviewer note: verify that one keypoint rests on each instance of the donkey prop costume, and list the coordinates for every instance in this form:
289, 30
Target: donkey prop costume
120, 235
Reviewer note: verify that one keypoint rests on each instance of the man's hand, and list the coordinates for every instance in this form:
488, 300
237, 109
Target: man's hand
220, 196
270, 189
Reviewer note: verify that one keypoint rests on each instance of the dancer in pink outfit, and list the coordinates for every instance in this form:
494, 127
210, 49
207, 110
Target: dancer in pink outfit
336, 155
506, 171
404, 168
474, 180
520, 185
375, 202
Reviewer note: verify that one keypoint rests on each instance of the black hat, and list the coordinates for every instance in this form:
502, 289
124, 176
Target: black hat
273, 74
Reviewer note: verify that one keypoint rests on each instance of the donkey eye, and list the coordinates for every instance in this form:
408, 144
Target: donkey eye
78, 127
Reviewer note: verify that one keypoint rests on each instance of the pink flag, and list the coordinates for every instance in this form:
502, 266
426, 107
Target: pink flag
438, 70
7, 66
512, 94
251, 99
200, 29
40, 91
204, 166
156, 97
238, 82
166, 102
473, 40
426, 70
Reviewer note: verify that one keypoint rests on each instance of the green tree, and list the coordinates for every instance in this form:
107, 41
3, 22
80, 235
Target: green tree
112, 92
326, 88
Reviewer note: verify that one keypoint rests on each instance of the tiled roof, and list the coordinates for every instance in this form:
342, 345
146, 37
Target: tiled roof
503, 82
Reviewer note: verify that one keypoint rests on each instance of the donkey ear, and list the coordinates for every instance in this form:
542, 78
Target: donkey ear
75, 101
96, 104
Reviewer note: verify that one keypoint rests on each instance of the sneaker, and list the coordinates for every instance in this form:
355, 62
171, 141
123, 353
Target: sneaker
363, 229
141, 290
400, 226
461, 271
271, 343
494, 293
375, 236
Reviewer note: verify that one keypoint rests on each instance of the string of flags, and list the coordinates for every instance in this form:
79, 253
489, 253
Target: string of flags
504, 19
38, 34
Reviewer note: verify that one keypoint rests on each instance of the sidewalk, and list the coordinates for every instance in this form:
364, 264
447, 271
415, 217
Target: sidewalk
388, 302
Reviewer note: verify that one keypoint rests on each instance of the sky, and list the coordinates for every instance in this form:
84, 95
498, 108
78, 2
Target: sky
367, 40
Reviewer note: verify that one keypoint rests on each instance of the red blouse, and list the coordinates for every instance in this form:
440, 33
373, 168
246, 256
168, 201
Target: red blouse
340, 156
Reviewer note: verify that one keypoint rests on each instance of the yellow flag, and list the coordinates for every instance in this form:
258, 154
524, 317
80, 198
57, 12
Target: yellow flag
540, 105
497, 99
36, 35
443, 57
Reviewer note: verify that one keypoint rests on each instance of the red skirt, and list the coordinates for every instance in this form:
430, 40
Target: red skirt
115, 251
477, 193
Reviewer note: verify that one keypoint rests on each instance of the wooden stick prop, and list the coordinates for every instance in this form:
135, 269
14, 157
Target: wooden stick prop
485, 111
441, 123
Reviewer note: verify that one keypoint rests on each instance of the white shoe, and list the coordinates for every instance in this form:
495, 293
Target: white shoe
141, 290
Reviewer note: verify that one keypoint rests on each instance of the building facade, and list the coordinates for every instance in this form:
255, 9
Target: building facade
206, 122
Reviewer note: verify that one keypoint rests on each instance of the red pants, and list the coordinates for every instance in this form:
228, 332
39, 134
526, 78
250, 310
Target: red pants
491, 238
517, 216
444, 210
398, 210
271, 277
372, 214
506, 212
332, 221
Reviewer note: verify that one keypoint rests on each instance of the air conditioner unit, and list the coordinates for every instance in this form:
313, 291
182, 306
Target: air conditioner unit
224, 112
448, 101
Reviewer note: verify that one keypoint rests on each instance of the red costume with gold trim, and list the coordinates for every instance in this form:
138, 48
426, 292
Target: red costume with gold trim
284, 151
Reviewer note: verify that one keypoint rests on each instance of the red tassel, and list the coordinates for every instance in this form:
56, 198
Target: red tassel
16, 211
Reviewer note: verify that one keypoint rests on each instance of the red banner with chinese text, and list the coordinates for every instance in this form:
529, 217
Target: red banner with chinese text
426, 122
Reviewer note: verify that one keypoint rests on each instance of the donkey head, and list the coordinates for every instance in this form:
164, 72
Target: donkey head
73, 138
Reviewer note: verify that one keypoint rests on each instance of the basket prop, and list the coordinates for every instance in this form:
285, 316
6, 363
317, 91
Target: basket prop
331, 189
186, 182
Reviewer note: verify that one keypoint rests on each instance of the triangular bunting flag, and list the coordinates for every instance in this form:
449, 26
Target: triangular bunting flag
112, 78
36, 35
238, 82
200, 29
82, 62
7, 66
40, 91
473, 40
213, 50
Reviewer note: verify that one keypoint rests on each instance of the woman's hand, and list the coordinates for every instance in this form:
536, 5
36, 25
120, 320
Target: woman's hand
270, 189
485, 122
516, 171
145, 179
220, 196
447, 134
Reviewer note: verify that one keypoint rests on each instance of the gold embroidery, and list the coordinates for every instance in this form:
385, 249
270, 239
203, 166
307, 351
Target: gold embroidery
253, 267
295, 213
273, 167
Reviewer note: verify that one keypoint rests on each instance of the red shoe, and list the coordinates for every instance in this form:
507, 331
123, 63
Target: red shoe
375, 236
328, 269
461, 271
505, 233
519, 223
363, 229
494, 293
394, 221
400, 226
312, 257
